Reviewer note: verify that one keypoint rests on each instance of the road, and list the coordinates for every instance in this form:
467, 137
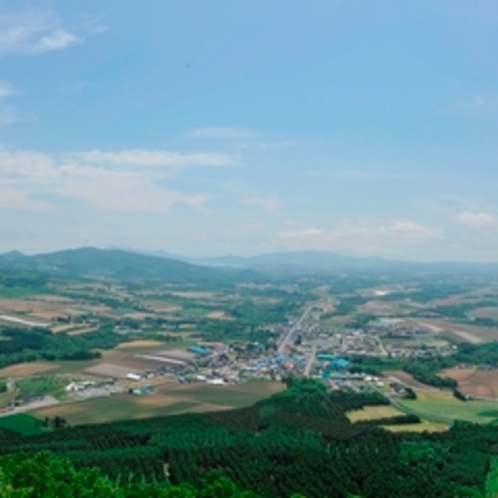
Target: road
382, 349
311, 359
287, 337
45, 402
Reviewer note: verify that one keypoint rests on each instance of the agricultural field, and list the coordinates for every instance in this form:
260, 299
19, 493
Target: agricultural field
167, 399
469, 333
443, 407
485, 312
50, 385
407, 379
25, 424
475, 382
373, 413
423, 426
27, 369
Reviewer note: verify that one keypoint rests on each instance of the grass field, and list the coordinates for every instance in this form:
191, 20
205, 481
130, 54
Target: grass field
373, 413
4, 400
167, 399
20, 292
101, 410
46, 384
233, 396
23, 423
443, 407
424, 426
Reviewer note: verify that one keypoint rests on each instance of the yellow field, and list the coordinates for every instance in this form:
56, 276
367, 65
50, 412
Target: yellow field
423, 426
139, 344
26, 369
218, 315
373, 413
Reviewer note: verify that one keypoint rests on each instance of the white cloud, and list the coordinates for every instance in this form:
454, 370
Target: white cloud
33, 31
127, 194
7, 90
478, 220
9, 115
300, 234
474, 106
269, 204
408, 229
359, 174
57, 40
262, 145
359, 238
95, 24
18, 199
223, 132
93, 177
145, 157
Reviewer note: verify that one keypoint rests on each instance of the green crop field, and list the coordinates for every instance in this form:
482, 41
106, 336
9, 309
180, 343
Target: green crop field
235, 396
45, 384
481, 412
167, 399
100, 410
21, 422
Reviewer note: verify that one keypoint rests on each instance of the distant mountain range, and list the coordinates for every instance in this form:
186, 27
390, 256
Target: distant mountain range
302, 262
296, 259
92, 262
119, 263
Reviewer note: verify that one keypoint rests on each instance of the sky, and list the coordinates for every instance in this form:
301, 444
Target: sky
222, 127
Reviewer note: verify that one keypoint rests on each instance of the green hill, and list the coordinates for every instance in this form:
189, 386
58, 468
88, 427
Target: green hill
297, 441
118, 264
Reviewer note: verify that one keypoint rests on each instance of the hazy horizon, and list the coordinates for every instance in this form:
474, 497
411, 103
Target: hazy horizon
204, 259
365, 129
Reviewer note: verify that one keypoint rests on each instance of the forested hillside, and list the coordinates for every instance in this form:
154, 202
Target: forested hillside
92, 262
45, 475
298, 441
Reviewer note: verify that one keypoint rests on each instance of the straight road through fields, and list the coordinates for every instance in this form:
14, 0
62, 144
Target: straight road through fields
287, 337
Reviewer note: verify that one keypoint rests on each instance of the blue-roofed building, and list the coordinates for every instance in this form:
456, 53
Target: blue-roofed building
340, 363
325, 357
258, 347
198, 350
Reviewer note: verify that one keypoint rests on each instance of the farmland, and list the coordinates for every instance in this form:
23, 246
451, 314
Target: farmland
443, 407
373, 413
103, 330
301, 436
474, 382
423, 426
167, 400
26, 369
25, 424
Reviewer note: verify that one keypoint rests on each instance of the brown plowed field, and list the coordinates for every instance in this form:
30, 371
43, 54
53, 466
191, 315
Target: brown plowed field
406, 378
26, 369
139, 344
478, 383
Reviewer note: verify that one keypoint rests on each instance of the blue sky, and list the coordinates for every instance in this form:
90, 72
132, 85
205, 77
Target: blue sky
221, 127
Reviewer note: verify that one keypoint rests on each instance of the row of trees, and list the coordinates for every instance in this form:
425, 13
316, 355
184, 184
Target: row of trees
26, 345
